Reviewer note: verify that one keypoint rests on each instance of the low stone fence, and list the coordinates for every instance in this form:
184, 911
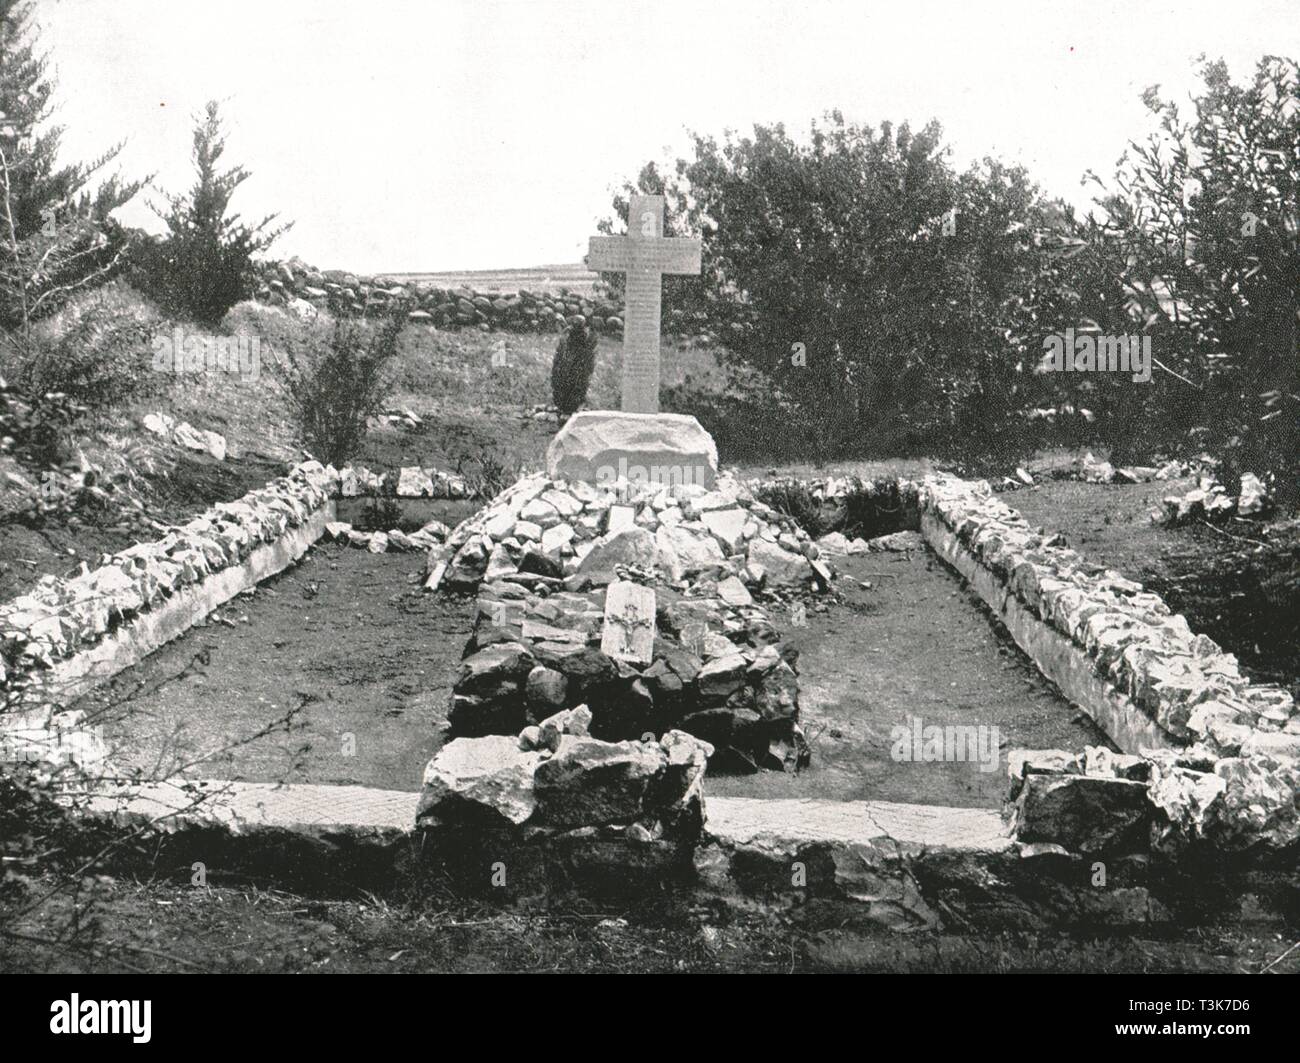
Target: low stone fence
1182, 682
69, 632
1213, 757
347, 294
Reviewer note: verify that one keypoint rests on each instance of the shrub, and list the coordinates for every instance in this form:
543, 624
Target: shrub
58, 237
1195, 245
494, 475
337, 378
866, 510
380, 514
795, 499
97, 349
37, 430
575, 359
747, 417
871, 509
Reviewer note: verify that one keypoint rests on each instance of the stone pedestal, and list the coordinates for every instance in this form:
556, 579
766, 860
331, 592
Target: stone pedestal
601, 446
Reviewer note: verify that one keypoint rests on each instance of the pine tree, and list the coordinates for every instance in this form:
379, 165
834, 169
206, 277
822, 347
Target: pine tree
204, 264
56, 235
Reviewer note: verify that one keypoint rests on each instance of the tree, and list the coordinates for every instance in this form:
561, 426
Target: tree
203, 266
883, 294
1197, 243
56, 234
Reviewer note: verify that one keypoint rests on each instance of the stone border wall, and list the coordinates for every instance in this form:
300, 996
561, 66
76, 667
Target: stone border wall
1223, 777
1056, 656
904, 867
1213, 760
66, 635
1163, 684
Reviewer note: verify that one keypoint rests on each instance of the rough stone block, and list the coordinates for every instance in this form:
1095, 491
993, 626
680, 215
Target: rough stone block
601, 446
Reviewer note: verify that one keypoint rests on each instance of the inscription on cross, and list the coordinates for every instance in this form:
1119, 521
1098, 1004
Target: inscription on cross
645, 255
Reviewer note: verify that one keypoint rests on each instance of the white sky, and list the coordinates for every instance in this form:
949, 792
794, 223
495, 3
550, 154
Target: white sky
459, 134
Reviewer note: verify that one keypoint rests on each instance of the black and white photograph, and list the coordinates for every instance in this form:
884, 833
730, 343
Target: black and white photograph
649, 487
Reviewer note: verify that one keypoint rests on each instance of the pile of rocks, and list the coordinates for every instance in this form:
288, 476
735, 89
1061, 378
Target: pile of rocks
540, 412
557, 779
683, 532
715, 668
410, 481
395, 540
184, 434
1183, 681
1094, 470
1210, 501
60, 616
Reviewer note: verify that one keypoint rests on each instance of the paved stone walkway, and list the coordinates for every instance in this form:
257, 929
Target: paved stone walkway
249, 805
742, 820
245, 806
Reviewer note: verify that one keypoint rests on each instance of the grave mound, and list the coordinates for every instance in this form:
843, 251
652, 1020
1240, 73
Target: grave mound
558, 528
699, 664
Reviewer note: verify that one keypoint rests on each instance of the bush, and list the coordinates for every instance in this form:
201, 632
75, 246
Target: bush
97, 349
575, 360
59, 236
337, 377
380, 514
871, 509
795, 499
746, 416
1197, 249
492, 476
37, 430
866, 510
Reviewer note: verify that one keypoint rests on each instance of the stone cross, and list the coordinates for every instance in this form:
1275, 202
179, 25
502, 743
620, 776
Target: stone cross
645, 255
